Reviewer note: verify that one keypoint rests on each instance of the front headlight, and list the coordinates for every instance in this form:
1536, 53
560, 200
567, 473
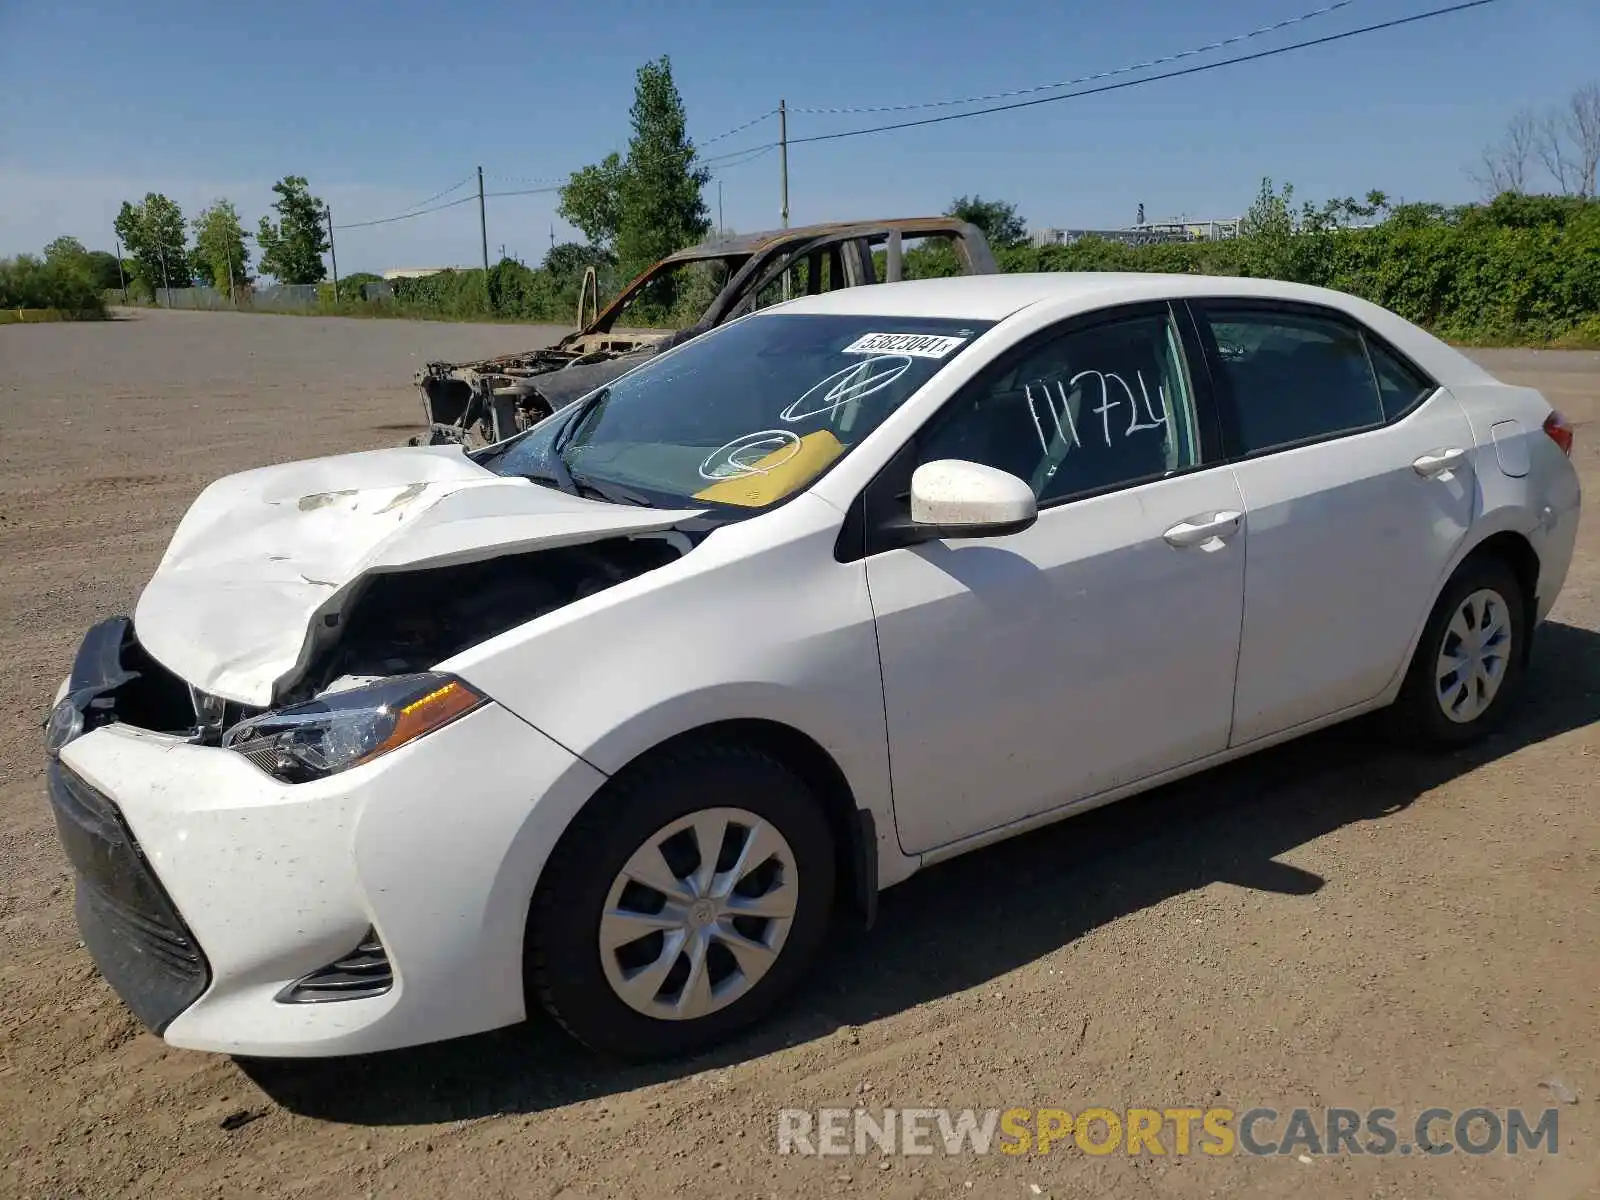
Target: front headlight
344, 729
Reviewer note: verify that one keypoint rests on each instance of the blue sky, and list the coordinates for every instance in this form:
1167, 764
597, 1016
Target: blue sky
382, 106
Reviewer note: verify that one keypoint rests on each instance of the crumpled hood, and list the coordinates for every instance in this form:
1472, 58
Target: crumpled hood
263, 561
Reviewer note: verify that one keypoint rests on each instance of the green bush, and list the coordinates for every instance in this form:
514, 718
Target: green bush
29, 282
1519, 269
514, 291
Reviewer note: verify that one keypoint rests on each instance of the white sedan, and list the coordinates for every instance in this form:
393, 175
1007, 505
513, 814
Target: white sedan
615, 717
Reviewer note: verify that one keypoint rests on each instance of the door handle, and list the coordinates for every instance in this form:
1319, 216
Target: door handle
1437, 462
1204, 527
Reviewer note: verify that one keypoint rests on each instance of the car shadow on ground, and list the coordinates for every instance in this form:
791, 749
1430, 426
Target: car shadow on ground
965, 922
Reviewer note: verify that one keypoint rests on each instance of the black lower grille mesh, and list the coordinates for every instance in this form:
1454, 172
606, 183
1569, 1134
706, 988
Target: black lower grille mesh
364, 972
129, 925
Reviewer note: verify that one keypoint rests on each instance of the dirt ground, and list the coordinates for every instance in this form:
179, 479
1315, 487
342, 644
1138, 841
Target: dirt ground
1329, 924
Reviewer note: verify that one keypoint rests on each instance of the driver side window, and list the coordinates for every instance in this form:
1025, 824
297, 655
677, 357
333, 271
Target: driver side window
1085, 411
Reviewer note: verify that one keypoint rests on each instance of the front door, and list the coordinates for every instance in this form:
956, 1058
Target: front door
1092, 650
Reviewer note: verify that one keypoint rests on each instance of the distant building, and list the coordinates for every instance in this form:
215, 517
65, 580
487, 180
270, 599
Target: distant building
1145, 234
416, 272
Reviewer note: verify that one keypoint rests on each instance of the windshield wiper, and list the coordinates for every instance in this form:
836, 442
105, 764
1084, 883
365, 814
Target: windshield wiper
580, 410
615, 493
557, 477
556, 473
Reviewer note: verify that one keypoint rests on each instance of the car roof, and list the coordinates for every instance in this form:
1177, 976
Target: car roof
750, 243
996, 297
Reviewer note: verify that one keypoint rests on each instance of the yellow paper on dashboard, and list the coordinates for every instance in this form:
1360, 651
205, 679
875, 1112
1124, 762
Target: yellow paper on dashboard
775, 475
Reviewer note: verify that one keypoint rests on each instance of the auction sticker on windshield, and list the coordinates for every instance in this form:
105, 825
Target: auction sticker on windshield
918, 345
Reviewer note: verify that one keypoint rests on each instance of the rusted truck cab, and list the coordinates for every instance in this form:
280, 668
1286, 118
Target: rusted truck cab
678, 298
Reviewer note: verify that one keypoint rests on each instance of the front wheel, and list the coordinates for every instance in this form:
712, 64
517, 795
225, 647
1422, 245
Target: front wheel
1468, 666
682, 904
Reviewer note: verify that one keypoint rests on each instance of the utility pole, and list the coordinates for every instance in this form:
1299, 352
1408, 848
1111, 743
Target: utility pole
230, 278
719, 206
483, 232
332, 253
483, 226
122, 280
783, 168
783, 156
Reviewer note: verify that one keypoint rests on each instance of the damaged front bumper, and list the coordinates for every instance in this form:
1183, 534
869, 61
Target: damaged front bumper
217, 900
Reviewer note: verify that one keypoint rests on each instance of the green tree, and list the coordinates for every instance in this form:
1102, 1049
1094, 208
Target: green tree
591, 201
998, 220
219, 239
292, 248
99, 267
661, 203
67, 253
650, 203
352, 287
152, 231
103, 270
573, 258
29, 282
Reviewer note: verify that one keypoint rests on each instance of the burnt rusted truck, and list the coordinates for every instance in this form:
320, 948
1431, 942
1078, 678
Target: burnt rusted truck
678, 298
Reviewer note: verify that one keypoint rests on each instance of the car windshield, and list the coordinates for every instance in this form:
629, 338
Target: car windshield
743, 416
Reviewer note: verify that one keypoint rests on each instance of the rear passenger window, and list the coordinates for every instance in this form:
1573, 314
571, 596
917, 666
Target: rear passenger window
1292, 377
1400, 386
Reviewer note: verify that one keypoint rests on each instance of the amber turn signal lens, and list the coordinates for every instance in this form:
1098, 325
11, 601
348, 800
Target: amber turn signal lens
427, 713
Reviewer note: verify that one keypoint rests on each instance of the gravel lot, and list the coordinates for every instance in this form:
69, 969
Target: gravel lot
1329, 924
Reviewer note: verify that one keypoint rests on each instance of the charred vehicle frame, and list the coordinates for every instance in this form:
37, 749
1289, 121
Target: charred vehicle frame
493, 398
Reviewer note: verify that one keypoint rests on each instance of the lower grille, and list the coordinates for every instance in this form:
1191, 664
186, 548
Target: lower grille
364, 972
129, 924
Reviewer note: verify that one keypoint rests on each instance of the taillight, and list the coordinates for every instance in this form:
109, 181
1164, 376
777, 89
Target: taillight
1560, 431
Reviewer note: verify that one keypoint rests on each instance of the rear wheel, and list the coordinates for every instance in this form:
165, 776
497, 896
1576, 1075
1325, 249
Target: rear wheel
1468, 667
682, 904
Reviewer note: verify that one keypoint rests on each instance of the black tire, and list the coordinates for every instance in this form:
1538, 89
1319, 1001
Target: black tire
1417, 717
562, 959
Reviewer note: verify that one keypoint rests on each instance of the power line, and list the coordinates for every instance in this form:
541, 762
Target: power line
751, 153
1049, 87
522, 179
1127, 83
406, 216
538, 191
771, 112
439, 195
739, 157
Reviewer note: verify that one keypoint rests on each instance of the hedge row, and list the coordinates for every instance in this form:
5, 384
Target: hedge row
1521, 269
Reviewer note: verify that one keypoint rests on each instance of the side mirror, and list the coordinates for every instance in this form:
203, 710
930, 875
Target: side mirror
955, 498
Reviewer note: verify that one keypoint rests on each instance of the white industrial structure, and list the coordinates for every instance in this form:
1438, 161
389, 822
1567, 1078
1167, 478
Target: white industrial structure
1145, 233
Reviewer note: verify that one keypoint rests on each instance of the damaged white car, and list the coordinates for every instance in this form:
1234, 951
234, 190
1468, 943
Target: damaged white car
615, 717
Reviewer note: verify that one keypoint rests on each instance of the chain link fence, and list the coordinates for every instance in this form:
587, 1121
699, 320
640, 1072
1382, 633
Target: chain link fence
277, 297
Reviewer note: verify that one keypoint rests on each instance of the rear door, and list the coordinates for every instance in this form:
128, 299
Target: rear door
1357, 477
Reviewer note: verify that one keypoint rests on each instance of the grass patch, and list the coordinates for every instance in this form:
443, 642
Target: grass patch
48, 316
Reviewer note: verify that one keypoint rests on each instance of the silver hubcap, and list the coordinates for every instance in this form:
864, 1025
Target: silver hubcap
698, 914
1474, 655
